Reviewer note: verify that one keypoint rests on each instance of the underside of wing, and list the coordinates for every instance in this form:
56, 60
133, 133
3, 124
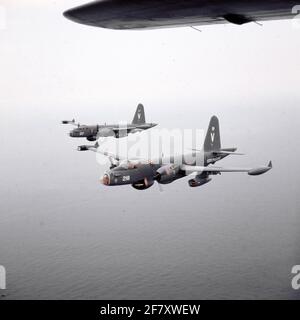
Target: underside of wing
220, 153
145, 14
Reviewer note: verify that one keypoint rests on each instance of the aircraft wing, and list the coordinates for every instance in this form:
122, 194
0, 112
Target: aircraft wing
95, 148
113, 158
216, 169
124, 131
108, 154
125, 127
146, 14
111, 155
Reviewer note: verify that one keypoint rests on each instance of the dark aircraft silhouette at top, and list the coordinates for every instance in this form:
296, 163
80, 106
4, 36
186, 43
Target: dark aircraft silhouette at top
142, 174
143, 14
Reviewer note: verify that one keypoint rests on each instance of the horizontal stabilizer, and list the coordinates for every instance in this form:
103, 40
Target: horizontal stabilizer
230, 151
88, 148
68, 121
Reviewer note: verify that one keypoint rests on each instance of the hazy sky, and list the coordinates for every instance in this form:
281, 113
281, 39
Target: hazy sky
47, 60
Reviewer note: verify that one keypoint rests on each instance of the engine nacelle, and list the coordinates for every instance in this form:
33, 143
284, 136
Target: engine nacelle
143, 184
92, 138
167, 173
197, 182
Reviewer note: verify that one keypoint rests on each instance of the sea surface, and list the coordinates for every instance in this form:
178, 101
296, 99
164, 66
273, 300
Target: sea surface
65, 236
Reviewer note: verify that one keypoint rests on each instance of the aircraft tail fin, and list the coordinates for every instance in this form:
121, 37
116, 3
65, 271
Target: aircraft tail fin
212, 140
139, 116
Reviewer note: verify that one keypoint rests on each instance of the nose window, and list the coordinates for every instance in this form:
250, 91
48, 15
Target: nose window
105, 180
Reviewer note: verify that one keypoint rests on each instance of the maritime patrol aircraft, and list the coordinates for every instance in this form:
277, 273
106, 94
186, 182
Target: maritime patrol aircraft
94, 132
142, 174
149, 14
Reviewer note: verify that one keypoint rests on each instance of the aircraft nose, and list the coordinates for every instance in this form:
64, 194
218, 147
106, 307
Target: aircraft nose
105, 180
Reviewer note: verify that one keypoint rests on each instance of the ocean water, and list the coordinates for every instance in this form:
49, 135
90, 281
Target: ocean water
64, 236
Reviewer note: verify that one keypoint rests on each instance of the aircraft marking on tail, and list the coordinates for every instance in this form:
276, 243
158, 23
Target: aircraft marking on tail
212, 134
212, 140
